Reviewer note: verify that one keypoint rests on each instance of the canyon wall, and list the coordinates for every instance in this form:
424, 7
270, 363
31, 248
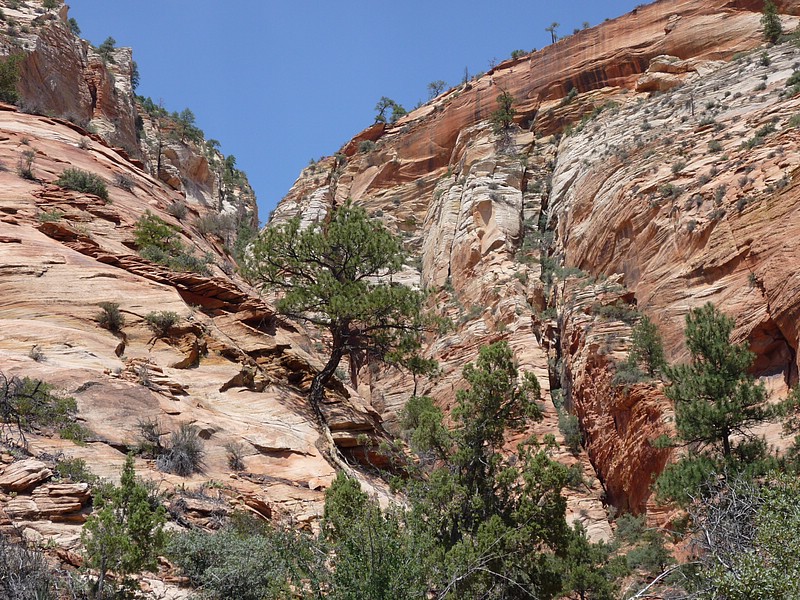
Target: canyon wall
665, 180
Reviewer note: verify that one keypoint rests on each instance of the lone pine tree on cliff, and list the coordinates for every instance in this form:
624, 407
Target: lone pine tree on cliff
717, 404
337, 275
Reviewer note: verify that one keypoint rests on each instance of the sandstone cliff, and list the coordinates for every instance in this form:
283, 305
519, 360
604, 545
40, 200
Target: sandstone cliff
666, 179
62, 75
645, 158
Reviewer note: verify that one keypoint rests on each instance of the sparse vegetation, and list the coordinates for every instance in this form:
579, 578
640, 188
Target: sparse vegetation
220, 225
250, 560
109, 317
25, 165
235, 452
435, 88
771, 22
160, 322
158, 242
366, 146
74, 27
50, 216
503, 117
185, 453
83, 181
386, 104
106, 49
30, 405
124, 182
717, 404
24, 572
125, 533
9, 77
569, 427
177, 209
74, 470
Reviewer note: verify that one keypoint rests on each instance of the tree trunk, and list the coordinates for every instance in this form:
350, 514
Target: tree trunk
317, 395
726, 444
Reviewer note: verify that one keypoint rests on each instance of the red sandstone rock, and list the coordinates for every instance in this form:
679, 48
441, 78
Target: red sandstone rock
23, 475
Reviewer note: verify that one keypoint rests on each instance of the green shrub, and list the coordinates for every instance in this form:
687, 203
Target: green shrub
124, 182
177, 209
109, 316
647, 349
628, 373
570, 428
75, 470
629, 528
366, 146
216, 224
678, 167
106, 49
250, 560
235, 453
150, 433
50, 4
50, 216
83, 181
125, 533
9, 77
158, 242
151, 230
651, 557
25, 165
771, 22
161, 321
178, 261
618, 311
28, 405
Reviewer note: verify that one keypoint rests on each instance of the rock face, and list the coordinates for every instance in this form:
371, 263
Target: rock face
23, 475
663, 181
62, 75
229, 366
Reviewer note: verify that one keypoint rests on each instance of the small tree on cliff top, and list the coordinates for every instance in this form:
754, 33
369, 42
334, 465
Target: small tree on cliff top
338, 276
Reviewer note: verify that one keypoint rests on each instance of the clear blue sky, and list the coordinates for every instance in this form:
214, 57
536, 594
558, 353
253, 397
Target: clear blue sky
278, 82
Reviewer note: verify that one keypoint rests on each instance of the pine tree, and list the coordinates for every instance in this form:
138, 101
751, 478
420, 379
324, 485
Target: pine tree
771, 22
503, 117
647, 348
716, 404
338, 276
125, 534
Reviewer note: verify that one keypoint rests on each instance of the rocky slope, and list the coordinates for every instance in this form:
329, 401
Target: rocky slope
663, 181
229, 366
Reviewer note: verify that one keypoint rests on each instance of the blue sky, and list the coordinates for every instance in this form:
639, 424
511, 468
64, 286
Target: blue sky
280, 82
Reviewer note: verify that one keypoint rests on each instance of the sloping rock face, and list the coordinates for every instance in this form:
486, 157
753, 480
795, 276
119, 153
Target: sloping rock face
62, 75
663, 181
230, 366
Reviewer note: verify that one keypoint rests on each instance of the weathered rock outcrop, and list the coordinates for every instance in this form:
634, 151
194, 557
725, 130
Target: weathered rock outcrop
62, 75
229, 366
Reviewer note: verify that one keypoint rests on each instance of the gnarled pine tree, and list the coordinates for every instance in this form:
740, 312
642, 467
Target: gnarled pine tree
337, 275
